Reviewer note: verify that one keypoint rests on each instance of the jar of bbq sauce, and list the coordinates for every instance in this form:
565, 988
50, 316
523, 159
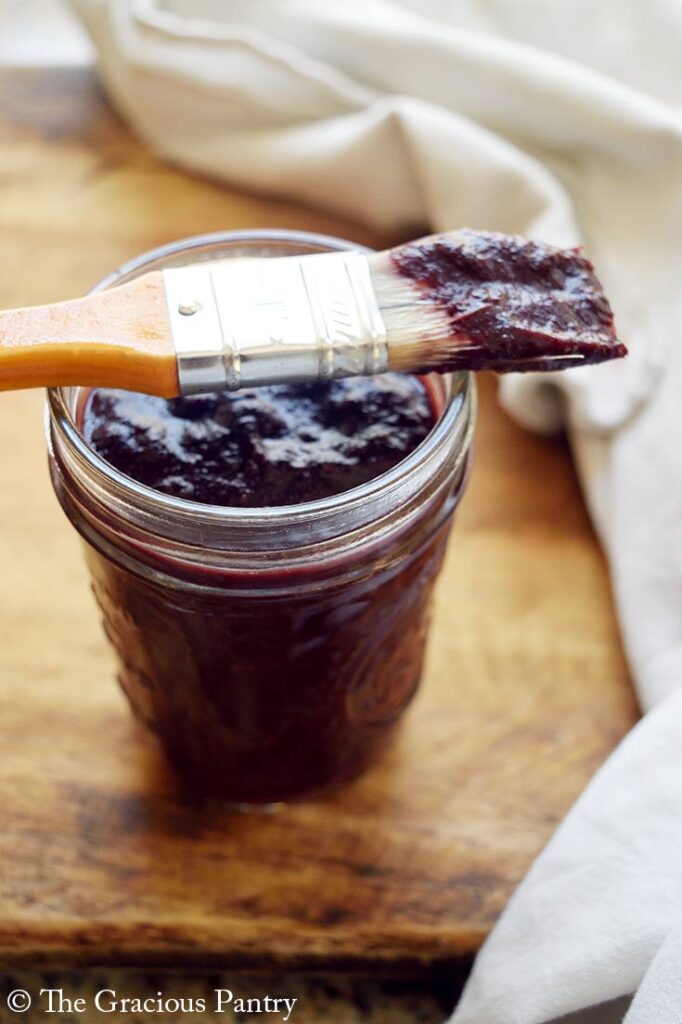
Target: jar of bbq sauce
272, 649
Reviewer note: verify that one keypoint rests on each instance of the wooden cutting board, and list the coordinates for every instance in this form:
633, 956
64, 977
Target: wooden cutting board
525, 693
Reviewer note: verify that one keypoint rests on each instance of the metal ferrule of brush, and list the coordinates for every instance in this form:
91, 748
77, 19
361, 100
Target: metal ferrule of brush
244, 322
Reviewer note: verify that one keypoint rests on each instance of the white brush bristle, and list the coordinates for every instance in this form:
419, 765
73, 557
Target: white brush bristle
416, 328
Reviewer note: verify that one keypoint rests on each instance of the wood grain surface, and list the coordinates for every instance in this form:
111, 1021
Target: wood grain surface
525, 694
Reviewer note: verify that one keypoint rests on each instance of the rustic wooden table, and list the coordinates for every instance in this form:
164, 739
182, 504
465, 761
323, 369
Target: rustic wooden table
525, 694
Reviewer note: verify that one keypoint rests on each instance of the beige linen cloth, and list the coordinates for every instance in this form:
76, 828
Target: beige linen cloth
557, 119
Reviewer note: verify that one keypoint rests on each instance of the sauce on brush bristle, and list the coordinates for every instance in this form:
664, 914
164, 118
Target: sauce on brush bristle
510, 301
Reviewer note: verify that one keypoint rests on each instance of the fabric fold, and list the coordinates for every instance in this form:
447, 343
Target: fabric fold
600, 901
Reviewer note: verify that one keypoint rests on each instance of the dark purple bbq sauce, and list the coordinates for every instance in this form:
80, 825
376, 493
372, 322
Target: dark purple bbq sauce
513, 304
268, 446
259, 693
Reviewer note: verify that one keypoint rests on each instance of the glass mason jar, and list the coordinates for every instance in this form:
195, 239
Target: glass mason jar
271, 650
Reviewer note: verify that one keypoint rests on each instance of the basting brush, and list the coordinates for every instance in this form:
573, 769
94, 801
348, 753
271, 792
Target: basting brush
465, 300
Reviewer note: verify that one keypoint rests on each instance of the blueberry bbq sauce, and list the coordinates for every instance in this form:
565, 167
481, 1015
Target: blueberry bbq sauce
511, 303
262, 447
280, 679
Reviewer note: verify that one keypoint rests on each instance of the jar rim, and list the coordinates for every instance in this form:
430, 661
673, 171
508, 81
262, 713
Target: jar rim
117, 489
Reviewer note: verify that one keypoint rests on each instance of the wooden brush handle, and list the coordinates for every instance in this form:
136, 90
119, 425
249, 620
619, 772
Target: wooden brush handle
118, 338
